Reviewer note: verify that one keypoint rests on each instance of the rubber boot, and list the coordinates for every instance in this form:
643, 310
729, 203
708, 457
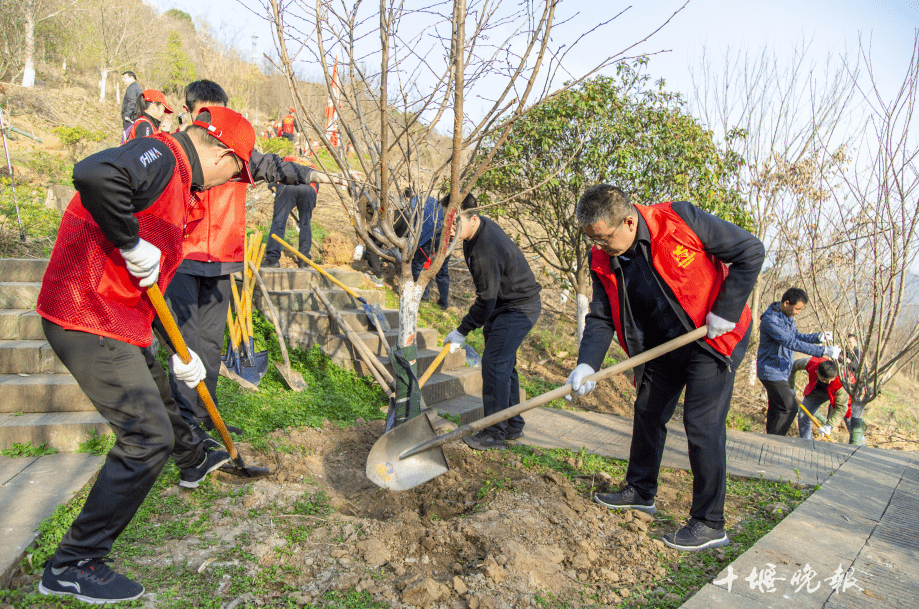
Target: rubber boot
857, 435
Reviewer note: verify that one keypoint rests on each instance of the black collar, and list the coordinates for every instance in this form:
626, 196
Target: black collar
197, 175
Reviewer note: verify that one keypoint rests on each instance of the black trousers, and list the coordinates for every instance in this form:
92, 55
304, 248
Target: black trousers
504, 332
709, 384
442, 278
782, 409
303, 198
128, 387
199, 305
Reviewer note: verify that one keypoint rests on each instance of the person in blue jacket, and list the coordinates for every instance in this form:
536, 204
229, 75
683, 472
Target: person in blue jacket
430, 235
778, 340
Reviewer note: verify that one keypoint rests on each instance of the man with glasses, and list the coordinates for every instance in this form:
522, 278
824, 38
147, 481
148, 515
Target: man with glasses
660, 271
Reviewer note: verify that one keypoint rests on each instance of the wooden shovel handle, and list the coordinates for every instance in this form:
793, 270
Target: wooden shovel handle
562, 391
321, 270
274, 315
175, 336
427, 373
813, 418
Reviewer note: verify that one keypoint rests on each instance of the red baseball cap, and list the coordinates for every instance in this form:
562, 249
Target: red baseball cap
291, 110
152, 95
231, 128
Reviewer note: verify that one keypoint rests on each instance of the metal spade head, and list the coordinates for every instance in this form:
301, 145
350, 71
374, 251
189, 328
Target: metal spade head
386, 470
376, 315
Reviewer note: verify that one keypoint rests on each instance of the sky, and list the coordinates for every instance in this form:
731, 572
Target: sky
832, 27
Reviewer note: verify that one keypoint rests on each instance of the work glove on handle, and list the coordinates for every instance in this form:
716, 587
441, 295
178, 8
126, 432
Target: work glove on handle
455, 339
825, 337
191, 373
143, 261
832, 352
825, 430
579, 386
717, 325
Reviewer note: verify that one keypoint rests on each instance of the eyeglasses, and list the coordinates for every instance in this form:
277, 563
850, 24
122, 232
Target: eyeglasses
239, 167
601, 241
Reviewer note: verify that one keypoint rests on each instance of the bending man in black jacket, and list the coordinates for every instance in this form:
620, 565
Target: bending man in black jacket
506, 307
659, 272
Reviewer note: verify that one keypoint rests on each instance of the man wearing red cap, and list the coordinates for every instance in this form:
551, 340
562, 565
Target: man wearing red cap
289, 126
122, 232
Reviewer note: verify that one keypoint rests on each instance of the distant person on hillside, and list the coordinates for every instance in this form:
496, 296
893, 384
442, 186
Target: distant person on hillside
778, 340
853, 353
149, 111
289, 126
286, 199
659, 272
507, 306
432, 222
132, 90
823, 385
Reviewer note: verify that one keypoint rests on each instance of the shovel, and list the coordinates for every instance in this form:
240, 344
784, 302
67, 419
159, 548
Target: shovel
293, 378
374, 312
156, 297
404, 457
230, 361
815, 421
254, 365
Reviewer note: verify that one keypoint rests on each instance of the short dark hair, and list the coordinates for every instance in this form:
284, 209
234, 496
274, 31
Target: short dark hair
602, 202
129, 73
794, 296
205, 91
408, 193
468, 203
827, 369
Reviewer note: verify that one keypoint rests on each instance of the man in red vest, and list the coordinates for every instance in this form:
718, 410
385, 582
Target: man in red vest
122, 232
200, 294
823, 385
658, 272
289, 127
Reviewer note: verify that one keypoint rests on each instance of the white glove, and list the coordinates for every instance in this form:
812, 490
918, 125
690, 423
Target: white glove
718, 325
826, 337
455, 339
578, 385
143, 262
825, 430
832, 352
191, 373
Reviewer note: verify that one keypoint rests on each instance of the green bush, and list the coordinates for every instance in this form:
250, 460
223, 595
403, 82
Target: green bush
38, 221
275, 145
50, 168
76, 139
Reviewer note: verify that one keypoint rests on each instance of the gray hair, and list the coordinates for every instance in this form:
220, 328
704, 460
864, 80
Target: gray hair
602, 203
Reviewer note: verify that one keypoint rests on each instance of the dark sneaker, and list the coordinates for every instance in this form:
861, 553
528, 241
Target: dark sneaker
205, 438
483, 441
189, 478
90, 581
271, 264
626, 499
696, 535
514, 435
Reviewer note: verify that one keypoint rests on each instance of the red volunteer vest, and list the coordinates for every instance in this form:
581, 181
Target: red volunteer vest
834, 386
694, 276
218, 235
130, 134
87, 286
287, 124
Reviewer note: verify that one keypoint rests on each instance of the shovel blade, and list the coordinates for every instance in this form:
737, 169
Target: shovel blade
231, 374
293, 378
473, 359
377, 317
253, 371
386, 470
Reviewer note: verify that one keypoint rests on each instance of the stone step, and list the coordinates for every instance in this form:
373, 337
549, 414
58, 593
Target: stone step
300, 300
42, 393
300, 323
61, 430
468, 407
338, 347
29, 357
451, 384
20, 324
19, 294
23, 269
278, 279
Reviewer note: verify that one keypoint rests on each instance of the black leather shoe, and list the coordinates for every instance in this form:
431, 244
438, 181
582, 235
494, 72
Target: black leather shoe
271, 264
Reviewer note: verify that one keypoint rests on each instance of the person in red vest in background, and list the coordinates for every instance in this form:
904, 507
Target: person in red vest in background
286, 198
823, 385
289, 126
661, 271
213, 250
149, 110
122, 232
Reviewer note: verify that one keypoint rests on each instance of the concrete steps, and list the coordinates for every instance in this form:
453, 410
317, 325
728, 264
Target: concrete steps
40, 402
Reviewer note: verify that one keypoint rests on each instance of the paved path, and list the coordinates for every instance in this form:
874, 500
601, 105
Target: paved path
861, 525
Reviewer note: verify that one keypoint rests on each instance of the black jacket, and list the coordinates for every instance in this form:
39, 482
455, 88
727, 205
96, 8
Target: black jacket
129, 101
501, 274
727, 242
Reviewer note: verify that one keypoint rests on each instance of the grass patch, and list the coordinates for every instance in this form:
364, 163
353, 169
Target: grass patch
27, 450
96, 444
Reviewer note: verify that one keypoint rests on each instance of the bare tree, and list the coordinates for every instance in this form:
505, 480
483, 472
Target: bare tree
35, 12
856, 250
781, 109
406, 73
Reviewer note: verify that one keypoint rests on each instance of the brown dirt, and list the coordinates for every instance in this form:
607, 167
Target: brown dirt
491, 532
